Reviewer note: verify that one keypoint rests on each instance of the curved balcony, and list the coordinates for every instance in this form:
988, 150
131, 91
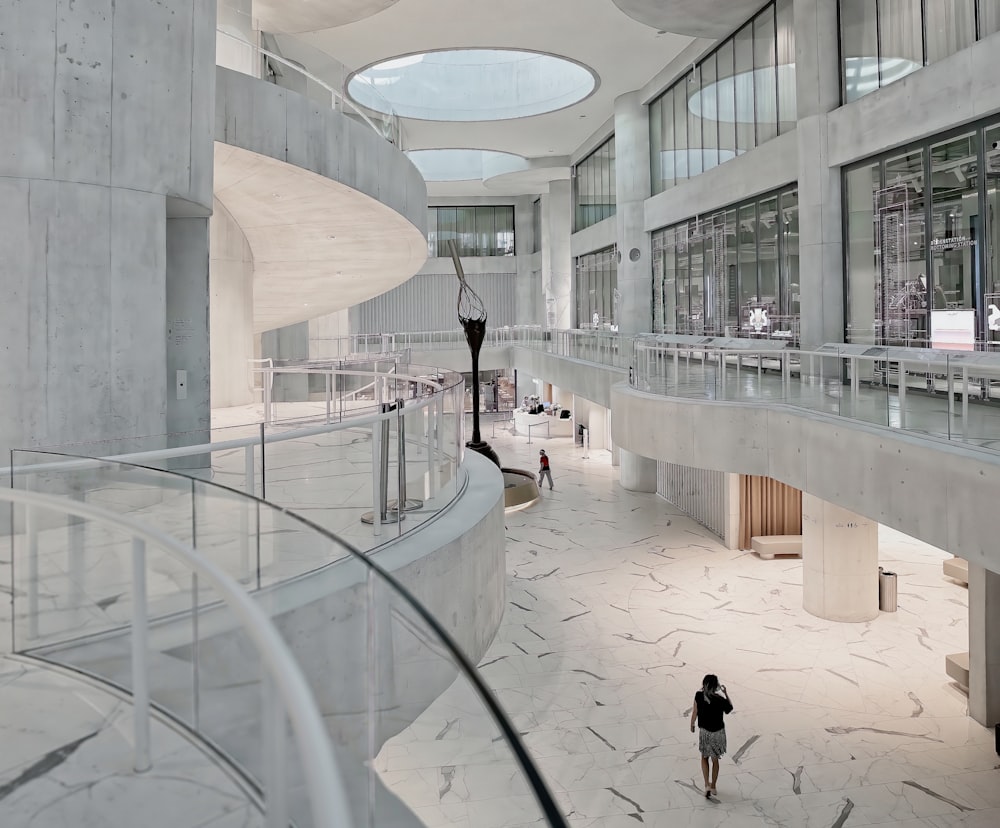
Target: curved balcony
379, 637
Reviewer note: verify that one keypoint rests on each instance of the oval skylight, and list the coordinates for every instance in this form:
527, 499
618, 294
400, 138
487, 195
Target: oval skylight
472, 85
463, 164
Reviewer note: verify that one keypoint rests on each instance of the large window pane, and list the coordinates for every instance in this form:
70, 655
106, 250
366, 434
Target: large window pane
901, 48
863, 276
466, 228
789, 269
989, 17
991, 234
747, 263
667, 150
669, 287
787, 107
858, 47
950, 27
705, 109
612, 194
485, 238
447, 229
732, 272
432, 240
743, 109
504, 239
683, 273
656, 146
726, 101
767, 255
765, 79
904, 296
955, 223
680, 132
696, 164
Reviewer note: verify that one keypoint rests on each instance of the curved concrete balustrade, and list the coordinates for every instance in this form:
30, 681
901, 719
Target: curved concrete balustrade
333, 213
931, 489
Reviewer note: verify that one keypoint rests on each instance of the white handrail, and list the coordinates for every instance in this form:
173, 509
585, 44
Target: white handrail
327, 795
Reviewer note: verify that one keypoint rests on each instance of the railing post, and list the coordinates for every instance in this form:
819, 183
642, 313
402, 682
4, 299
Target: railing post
901, 388
31, 534
328, 376
377, 473
140, 672
965, 402
275, 743
268, 381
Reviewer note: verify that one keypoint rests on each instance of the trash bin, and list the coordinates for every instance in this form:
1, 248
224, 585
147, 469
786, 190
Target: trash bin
886, 590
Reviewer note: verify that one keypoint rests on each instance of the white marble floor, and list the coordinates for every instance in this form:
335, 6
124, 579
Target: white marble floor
66, 760
618, 604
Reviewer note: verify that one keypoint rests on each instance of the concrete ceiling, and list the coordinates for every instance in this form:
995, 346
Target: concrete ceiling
624, 53
318, 246
700, 18
293, 16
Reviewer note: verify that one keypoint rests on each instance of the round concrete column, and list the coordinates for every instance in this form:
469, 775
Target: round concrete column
839, 562
638, 473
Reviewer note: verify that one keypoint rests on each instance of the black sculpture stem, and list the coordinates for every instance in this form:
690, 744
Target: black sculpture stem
472, 316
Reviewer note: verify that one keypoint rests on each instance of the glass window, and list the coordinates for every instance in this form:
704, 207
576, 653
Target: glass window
748, 261
901, 49
668, 151
707, 109
656, 145
726, 102
789, 270
669, 287
612, 200
768, 231
950, 26
859, 48
955, 223
447, 229
683, 274
504, 245
990, 309
680, 132
596, 282
695, 165
787, 106
989, 17
432, 240
744, 90
863, 274
732, 273
485, 232
765, 79
595, 186
901, 312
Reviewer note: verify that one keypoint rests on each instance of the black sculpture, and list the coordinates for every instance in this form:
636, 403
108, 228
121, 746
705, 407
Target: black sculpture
472, 315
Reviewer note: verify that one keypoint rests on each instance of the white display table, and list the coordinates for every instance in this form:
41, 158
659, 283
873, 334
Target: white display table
542, 425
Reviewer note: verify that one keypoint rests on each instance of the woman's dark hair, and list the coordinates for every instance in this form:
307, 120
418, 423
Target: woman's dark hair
709, 685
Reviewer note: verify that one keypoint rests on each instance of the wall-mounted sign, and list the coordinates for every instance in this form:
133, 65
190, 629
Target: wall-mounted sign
952, 243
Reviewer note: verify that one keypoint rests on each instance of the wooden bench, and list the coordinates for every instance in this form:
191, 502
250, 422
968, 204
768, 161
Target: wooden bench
770, 546
956, 568
956, 666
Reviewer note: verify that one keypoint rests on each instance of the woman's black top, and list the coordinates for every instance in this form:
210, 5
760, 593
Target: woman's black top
710, 713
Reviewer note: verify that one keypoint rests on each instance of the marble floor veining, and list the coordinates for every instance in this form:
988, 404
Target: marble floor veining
618, 604
66, 760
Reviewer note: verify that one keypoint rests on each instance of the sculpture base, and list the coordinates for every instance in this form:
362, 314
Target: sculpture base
484, 449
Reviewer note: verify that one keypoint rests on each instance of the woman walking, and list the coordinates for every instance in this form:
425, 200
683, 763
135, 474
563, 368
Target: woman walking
711, 704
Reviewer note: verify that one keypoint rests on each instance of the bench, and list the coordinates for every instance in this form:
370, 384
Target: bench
769, 546
956, 568
956, 666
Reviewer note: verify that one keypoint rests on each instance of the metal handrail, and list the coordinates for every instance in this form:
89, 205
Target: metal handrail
328, 798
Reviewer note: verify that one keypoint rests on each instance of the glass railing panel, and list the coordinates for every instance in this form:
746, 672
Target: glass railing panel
441, 753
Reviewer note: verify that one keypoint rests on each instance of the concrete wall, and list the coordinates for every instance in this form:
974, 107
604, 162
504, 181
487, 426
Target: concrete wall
106, 131
231, 287
875, 472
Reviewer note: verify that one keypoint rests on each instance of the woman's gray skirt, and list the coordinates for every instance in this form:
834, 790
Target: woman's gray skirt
712, 742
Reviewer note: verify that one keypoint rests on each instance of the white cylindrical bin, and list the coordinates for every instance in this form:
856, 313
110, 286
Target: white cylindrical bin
886, 590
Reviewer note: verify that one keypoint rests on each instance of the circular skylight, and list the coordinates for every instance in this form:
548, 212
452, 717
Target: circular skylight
472, 85
464, 164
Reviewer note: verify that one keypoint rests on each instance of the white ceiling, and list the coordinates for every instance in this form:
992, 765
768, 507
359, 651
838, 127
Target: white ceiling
623, 53
318, 245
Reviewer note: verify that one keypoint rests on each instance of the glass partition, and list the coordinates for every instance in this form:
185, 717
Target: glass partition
739, 96
596, 289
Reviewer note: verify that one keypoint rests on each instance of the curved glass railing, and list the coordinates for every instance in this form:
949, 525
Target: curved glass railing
948, 395
349, 444
144, 644
385, 675
291, 63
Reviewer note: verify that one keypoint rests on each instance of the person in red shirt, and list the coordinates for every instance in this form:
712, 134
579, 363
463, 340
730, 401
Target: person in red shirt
543, 468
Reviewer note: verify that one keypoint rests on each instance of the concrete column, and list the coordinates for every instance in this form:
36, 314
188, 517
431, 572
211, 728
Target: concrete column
102, 140
189, 413
731, 535
557, 263
632, 188
821, 253
638, 473
598, 425
527, 299
984, 645
839, 562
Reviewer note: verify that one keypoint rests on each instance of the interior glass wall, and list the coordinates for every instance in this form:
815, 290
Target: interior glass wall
922, 242
882, 41
596, 289
734, 272
478, 231
594, 186
738, 97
